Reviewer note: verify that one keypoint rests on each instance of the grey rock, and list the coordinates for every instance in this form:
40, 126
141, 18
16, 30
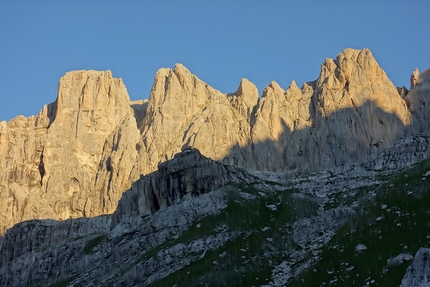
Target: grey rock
418, 273
188, 174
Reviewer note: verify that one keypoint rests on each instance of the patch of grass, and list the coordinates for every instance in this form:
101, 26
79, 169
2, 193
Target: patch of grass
89, 246
346, 199
63, 282
247, 259
395, 221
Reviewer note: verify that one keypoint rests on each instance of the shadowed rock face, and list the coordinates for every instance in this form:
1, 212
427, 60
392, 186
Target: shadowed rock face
418, 272
187, 174
81, 152
351, 111
418, 101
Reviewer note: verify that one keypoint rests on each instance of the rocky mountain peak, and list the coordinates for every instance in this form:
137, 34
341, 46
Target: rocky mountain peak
293, 93
93, 152
245, 98
184, 75
418, 101
353, 79
67, 159
414, 77
272, 90
81, 152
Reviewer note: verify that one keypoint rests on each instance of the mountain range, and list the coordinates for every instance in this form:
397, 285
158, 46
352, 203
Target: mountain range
101, 190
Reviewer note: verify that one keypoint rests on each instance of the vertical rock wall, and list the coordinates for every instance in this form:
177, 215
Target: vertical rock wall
78, 156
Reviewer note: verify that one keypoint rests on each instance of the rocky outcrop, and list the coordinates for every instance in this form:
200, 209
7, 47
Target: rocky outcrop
81, 152
418, 272
21, 146
187, 174
183, 111
358, 111
418, 101
49, 244
414, 77
90, 146
75, 158
350, 112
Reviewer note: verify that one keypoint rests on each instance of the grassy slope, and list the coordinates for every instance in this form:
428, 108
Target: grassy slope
249, 257
393, 221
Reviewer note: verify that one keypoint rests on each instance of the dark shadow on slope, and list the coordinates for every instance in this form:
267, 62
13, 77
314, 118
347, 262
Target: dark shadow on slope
28, 236
139, 108
346, 136
52, 112
55, 244
188, 174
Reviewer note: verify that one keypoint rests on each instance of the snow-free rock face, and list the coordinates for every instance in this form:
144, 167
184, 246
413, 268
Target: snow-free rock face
418, 273
357, 111
21, 145
183, 111
351, 111
418, 100
55, 242
81, 152
90, 146
74, 159
187, 174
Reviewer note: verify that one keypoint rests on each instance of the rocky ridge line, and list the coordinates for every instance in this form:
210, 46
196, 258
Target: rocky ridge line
81, 152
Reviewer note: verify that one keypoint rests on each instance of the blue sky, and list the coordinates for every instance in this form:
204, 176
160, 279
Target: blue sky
219, 41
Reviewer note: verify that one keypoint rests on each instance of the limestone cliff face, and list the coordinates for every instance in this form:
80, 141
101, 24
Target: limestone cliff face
418, 100
21, 145
351, 111
80, 153
90, 146
188, 174
356, 109
74, 159
183, 111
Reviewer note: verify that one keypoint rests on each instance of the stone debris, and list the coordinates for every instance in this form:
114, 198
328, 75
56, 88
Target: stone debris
360, 247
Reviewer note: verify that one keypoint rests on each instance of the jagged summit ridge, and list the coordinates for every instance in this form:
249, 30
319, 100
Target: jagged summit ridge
81, 152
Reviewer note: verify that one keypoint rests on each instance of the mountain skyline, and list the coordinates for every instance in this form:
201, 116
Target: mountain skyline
220, 42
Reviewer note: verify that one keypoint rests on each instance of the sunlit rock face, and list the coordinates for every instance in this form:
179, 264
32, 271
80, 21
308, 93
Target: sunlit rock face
351, 111
74, 159
80, 153
183, 111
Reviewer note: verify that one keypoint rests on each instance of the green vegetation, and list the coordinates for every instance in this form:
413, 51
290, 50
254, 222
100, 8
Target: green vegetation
259, 221
392, 218
63, 282
395, 221
346, 199
89, 246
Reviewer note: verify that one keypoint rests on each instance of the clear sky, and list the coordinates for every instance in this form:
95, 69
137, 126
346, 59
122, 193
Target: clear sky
219, 41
